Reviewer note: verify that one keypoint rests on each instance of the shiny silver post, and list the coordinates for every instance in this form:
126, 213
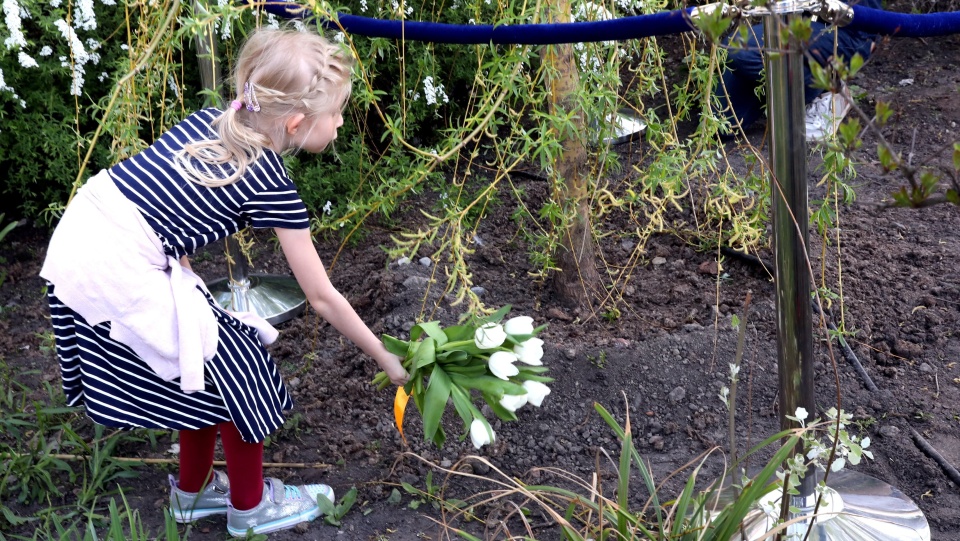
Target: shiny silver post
788, 193
275, 298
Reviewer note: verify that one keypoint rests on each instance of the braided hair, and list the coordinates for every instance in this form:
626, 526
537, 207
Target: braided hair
278, 73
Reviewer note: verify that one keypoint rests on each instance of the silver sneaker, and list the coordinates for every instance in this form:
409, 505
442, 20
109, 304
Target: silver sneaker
212, 500
281, 507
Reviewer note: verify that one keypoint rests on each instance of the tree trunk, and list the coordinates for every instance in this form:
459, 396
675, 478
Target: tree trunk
578, 282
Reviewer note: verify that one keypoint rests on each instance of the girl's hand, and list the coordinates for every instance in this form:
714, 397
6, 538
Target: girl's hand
395, 371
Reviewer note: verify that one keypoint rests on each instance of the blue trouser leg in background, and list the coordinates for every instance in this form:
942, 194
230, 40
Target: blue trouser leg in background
746, 63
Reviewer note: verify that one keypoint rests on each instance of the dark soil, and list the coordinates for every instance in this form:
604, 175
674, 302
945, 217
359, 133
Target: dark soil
666, 355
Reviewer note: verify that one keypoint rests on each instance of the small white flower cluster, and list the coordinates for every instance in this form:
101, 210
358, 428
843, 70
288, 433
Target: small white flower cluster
223, 24
850, 448
5, 88
271, 22
171, 82
433, 93
13, 19
84, 17
397, 11
13, 16
79, 56
328, 208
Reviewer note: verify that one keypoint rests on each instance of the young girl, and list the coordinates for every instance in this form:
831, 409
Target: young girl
142, 343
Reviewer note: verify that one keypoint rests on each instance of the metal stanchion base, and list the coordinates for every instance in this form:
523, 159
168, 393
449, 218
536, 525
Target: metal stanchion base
273, 297
626, 127
856, 507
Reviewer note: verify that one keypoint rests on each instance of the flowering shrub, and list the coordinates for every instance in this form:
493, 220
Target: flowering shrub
501, 363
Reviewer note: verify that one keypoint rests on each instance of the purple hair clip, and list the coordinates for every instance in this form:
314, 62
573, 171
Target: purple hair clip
250, 97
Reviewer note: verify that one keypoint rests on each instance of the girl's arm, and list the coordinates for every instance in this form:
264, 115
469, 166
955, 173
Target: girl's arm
297, 245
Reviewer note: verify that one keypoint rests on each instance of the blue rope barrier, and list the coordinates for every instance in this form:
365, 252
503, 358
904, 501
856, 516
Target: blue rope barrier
877, 21
868, 20
639, 26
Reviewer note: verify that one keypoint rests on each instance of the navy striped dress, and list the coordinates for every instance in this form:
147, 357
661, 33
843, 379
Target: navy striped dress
242, 382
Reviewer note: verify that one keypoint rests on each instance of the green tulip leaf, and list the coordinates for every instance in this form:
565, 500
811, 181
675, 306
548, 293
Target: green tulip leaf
470, 348
433, 330
417, 389
457, 356
531, 369
438, 391
520, 338
462, 403
501, 412
426, 354
491, 385
395, 345
498, 316
471, 370
459, 333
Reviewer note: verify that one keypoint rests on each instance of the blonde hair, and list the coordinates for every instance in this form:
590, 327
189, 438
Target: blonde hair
279, 72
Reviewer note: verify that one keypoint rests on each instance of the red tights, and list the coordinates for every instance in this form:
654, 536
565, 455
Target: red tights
244, 463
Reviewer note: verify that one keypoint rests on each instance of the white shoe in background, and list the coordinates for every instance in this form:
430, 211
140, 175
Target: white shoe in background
824, 114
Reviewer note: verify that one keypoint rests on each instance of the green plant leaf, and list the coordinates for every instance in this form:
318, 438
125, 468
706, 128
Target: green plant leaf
855, 64
500, 411
458, 333
491, 385
433, 330
463, 405
438, 391
498, 316
888, 160
426, 353
395, 345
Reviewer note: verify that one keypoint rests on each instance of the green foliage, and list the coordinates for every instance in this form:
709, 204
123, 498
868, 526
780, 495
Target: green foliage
56, 81
429, 494
42, 451
451, 121
582, 510
333, 513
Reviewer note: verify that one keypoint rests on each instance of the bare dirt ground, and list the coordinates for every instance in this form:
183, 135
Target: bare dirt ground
666, 356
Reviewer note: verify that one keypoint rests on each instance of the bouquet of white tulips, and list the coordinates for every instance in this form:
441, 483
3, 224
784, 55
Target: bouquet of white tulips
498, 362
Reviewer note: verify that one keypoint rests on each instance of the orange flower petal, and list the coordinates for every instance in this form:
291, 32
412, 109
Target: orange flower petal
399, 406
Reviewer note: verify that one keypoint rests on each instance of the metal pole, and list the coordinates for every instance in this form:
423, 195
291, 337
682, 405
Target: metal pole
273, 297
788, 192
210, 76
237, 275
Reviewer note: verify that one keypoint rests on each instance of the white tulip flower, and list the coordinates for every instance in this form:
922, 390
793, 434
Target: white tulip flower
481, 433
489, 336
513, 402
536, 392
530, 352
519, 325
501, 364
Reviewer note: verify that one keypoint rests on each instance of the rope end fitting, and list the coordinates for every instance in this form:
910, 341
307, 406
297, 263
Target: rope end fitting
835, 12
